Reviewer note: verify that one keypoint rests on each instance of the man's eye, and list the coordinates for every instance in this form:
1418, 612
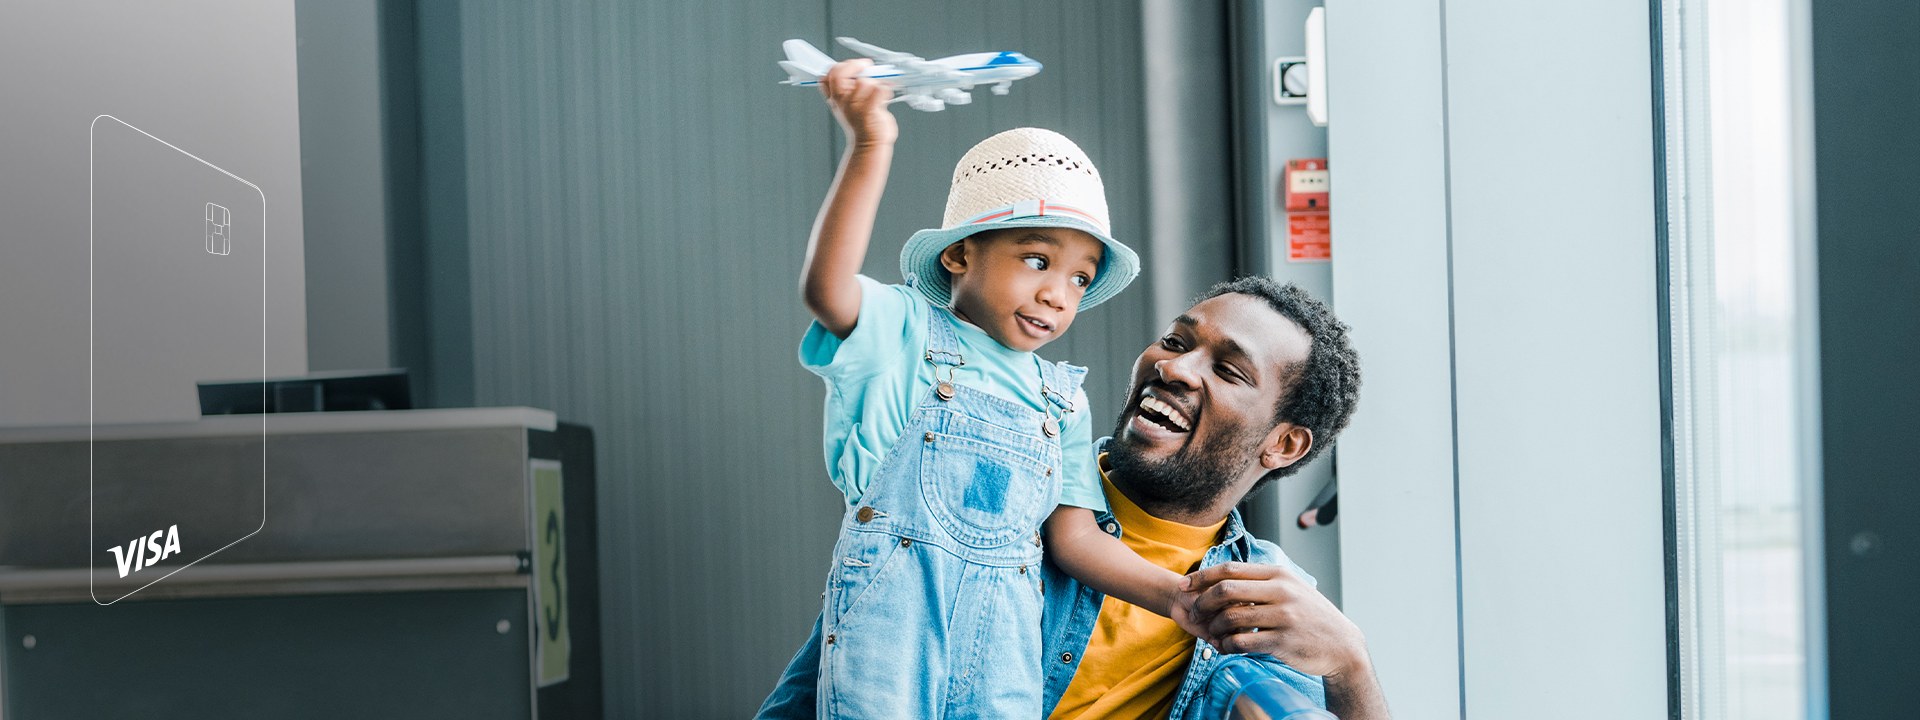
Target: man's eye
1036, 262
1170, 342
1082, 281
1227, 371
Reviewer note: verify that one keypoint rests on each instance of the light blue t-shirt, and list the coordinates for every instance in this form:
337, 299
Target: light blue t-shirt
878, 375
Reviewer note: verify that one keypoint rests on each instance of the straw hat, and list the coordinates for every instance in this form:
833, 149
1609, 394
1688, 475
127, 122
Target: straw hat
1025, 177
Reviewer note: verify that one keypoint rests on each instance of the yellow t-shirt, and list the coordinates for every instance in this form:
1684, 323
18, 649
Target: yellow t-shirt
1135, 660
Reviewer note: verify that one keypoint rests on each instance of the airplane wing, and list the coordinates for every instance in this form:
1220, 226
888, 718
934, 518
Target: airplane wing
879, 54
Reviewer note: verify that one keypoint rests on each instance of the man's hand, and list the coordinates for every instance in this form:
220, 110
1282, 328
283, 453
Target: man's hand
860, 103
1295, 623
1252, 608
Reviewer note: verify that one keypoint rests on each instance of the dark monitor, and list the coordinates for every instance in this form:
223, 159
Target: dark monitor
321, 392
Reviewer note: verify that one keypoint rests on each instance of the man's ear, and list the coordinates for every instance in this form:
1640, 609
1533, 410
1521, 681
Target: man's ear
954, 258
1285, 446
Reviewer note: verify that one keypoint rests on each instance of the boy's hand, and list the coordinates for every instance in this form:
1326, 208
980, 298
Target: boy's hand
1184, 613
859, 103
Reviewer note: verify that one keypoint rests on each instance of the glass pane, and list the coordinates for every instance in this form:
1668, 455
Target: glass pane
1731, 224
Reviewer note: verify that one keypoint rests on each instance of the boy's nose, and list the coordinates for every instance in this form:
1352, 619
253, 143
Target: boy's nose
1054, 294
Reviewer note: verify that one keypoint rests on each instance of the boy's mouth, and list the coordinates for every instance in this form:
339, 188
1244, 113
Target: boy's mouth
1034, 326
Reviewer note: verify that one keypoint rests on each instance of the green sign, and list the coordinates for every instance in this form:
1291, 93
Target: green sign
554, 649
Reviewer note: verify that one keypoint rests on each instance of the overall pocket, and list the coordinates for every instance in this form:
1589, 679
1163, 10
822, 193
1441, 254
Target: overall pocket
984, 495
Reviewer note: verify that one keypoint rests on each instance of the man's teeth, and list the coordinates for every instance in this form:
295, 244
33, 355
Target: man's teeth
1161, 408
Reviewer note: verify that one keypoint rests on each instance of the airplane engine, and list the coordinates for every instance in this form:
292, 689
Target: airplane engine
953, 96
925, 104
1003, 88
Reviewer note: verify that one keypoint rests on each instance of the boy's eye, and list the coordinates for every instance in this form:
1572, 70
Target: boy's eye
1036, 262
1082, 281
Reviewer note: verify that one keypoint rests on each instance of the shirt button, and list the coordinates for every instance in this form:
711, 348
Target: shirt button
865, 515
905, 542
929, 437
830, 639
1023, 569
1206, 653
1110, 527
1049, 472
1066, 657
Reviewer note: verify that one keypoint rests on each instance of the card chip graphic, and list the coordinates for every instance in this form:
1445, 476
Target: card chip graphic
219, 233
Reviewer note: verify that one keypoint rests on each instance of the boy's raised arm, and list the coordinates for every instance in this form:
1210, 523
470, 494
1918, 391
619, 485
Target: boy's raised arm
838, 246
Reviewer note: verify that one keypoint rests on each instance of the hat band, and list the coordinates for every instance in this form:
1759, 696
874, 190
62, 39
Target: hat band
1034, 208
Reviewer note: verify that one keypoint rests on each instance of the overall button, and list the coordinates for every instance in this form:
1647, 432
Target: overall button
1023, 569
830, 639
929, 437
1206, 653
865, 515
905, 542
1066, 657
1110, 527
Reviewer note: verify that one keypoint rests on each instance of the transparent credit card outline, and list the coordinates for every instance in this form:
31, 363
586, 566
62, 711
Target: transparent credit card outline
92, 127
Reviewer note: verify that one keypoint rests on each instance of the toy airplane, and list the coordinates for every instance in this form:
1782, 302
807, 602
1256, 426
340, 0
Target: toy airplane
926, 85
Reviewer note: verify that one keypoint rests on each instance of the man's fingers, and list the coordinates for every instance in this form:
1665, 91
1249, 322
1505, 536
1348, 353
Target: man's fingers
1207, 576
1243, 617
1228, 593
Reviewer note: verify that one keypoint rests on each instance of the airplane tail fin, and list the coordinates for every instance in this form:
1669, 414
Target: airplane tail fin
804, 63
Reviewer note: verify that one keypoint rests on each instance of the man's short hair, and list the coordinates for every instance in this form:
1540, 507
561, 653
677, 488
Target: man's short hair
1320, 393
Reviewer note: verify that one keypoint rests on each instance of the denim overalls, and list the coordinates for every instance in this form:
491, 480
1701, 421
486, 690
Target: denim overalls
934, 595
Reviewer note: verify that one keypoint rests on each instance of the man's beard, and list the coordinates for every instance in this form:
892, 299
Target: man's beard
1191, 480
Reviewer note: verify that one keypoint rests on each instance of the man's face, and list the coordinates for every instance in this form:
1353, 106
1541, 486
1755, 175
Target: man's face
1201, 406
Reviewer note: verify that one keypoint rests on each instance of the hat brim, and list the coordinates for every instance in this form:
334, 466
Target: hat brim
920, 259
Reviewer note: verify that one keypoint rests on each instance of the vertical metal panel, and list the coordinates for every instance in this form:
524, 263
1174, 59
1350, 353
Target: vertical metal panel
1391, 284
638, 194
1276, 28
1556, 350
1866, 164
344, 183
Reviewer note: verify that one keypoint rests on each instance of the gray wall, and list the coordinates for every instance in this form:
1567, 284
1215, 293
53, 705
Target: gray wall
1502, 483
215, 78
628, 191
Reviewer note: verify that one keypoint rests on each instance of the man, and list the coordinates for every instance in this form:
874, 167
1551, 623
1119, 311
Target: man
1245, 387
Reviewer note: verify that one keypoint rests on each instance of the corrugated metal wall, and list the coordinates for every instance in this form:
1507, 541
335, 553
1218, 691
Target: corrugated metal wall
638, 191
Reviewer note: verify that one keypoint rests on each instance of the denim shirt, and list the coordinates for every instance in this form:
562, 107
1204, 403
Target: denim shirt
1071, 610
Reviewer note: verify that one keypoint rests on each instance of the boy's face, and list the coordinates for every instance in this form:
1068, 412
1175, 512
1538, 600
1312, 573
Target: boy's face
1022, 285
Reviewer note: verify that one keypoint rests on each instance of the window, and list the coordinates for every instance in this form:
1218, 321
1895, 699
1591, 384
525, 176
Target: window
1738, 483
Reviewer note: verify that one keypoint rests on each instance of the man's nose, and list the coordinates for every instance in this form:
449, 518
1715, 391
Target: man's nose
1178, 370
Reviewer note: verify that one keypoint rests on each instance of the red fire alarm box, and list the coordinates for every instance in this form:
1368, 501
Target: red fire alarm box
1309, 228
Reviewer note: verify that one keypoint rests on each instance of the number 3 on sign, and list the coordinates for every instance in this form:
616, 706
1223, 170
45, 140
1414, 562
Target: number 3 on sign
554, 647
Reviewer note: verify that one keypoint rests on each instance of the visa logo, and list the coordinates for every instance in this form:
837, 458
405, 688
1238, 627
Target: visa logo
132, 560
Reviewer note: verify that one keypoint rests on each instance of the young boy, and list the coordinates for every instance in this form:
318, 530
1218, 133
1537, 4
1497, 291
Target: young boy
952, 441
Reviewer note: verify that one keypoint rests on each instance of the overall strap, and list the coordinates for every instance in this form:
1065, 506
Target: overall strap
943, 347
1059, 383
